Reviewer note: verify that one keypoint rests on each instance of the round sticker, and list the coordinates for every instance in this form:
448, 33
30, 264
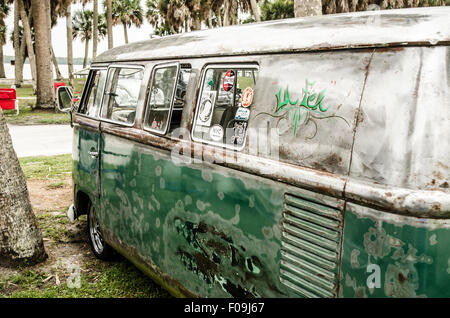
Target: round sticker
247, 97
216, 133
228, 81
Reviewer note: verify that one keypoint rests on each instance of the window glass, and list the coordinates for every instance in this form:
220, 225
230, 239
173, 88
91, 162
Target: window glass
94, 93
224, 107
161, 98
121, 97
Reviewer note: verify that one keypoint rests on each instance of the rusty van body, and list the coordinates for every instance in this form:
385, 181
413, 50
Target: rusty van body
301, 157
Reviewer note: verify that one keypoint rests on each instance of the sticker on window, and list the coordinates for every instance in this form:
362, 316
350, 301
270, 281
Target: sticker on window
216, 133
247, 97
242, 114
206, 108
228, 81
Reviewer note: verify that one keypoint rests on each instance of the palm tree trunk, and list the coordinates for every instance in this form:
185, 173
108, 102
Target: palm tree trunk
18, 56
95, 31
86, 53
20, 239
255, 10
45, 94
55, 64
304, 8
125, 32
69, 44
226, 13
2, 64
109, 23
27, 35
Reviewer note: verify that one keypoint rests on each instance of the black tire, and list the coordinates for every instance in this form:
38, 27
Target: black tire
99, 247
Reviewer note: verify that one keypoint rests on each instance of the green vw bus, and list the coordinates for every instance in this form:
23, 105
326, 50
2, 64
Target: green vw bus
295, 158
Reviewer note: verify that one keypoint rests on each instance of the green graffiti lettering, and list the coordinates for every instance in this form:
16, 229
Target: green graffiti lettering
310, 108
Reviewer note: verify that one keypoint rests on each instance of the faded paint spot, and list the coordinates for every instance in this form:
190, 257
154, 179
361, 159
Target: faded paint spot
158, 223
360, 291
221, 195
158, 171
207, 175
162, 183
375, 243
158, 205
201, 205
251, 201
354, 259
235, 220
187, 200
133, 183
433, 240
448, 268
267, 232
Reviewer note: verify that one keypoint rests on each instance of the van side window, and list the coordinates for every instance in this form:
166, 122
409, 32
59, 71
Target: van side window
167, 98
122, 93
223, 108
94, 93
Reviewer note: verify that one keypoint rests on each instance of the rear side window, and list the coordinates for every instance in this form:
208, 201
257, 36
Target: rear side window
122, 93
94, 95
224, 105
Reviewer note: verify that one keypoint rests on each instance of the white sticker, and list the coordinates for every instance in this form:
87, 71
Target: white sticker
242, 113
216, 133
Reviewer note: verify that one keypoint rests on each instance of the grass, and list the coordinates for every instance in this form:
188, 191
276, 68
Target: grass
66, 242
47, 167
97, 280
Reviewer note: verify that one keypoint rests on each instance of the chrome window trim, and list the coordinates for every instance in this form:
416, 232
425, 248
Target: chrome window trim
145, 125
111, 66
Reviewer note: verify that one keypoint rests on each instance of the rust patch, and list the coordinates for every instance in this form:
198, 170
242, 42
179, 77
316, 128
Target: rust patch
444, 185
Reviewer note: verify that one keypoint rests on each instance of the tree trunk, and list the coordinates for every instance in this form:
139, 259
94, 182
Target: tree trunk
95, 33
109, 23
55, 64
304, 8
27, 35
226, 13
23, 54
18, 56
69, 44
125, 32
2, 64
255, 10
20, 239
45, 94
86, 53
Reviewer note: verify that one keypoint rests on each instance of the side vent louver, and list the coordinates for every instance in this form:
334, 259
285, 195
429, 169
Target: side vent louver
311, 243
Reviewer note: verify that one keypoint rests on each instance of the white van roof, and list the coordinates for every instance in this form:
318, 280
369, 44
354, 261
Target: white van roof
400, 27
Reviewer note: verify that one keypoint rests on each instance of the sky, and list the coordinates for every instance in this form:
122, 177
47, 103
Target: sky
59, 34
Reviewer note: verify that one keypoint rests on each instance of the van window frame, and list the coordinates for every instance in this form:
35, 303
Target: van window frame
145, 125
84, 97
234, 65
109, 69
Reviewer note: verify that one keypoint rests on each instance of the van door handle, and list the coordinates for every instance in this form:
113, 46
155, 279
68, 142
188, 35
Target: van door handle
93, 154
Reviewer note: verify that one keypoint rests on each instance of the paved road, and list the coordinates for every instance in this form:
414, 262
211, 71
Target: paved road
41, 140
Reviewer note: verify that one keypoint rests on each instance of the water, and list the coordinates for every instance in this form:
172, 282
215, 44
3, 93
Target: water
63, 68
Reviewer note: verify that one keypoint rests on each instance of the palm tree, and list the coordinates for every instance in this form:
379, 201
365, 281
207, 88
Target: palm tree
126, 12
20, 240
4, 11
82, 27
45, 95
109, 22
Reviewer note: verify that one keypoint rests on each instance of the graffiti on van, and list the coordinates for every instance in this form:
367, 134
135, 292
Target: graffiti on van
309, 109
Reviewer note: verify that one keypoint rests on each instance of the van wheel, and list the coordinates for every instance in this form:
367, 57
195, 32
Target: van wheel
99, 247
